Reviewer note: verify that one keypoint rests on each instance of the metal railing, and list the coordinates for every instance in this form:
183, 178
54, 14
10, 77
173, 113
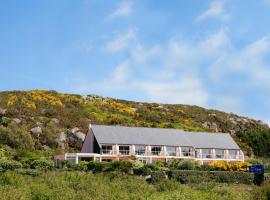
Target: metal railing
124, 152
220, 156
170, 153
107, 152
140, 152
186, 154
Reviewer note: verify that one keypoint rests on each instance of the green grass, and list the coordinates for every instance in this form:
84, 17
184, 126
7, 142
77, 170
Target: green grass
80, 185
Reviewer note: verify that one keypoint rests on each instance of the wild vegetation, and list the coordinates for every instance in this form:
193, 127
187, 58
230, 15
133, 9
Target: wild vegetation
39, 123
124, 180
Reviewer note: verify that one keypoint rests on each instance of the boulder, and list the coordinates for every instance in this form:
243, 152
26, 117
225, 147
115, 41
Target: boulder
74, 130
75, 137
55, 120
62, 140
211, 125
40, 124
17, 121
80, 135
36, 131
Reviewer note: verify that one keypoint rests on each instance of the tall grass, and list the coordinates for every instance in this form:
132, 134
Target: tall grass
85, 186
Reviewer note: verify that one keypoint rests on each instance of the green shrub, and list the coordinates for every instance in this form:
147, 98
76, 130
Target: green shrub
42, 164
206, 167
158, 176
143, 171
267, 167
136, 164
28, 172
96, 167
122, 166
168, 185
174, 163
254, 161
159, 163
81, 166
263, 192
191, 176
186, 165
9, 165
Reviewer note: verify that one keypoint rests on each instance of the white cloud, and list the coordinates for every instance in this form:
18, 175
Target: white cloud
124, 9
215, 10
121, 72
187, 90
208, 71
140, 54
120, 42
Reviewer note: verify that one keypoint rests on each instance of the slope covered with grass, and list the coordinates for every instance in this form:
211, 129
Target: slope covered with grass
42, 121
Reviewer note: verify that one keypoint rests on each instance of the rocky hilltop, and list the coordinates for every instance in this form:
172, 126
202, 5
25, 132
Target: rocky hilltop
47, 121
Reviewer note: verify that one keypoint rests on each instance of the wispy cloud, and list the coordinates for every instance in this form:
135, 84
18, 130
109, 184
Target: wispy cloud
124, 9
215, 10
199, 71
120, 41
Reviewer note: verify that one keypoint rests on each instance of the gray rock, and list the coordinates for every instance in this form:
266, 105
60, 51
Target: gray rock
40, 124
62, 140
62, 137
211, 125
74, 130
80, 135
18, 121
55, 120
36, 131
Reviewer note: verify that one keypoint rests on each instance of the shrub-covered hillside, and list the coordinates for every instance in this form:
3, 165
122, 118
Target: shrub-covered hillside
43, 122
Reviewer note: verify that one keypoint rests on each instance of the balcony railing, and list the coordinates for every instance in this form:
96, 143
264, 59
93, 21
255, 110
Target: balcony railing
141, 153
233, 157
170, 153
108, 152
124, 152
156, 153
186, 154
220, 156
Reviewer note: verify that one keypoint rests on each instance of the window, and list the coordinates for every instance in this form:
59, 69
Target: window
155, 150
106, 149
139, 149
186, 151
171, 151
219, 153
206, 153
72, 159
232, 154
124, 150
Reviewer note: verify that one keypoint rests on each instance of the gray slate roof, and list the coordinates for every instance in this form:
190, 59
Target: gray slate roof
161, 136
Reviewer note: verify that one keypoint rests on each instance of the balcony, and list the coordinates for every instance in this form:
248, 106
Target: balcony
140, 152
186, 154
107, 152
220, 156
170, 153
124, 152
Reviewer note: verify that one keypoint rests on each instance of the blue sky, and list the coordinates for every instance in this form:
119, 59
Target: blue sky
211, 53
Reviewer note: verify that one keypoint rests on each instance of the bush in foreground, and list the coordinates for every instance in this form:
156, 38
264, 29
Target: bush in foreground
9, 165
190, 176
42, 164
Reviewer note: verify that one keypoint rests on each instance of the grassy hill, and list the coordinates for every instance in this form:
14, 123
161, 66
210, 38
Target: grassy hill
44, 122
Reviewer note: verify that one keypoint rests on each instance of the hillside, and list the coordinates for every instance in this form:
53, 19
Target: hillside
45, 122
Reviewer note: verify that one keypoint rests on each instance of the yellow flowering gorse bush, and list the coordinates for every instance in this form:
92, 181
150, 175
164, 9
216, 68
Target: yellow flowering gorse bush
229, 166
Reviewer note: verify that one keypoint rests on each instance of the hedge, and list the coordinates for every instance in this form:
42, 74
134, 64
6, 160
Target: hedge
9, 165
191, 176
42, 164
